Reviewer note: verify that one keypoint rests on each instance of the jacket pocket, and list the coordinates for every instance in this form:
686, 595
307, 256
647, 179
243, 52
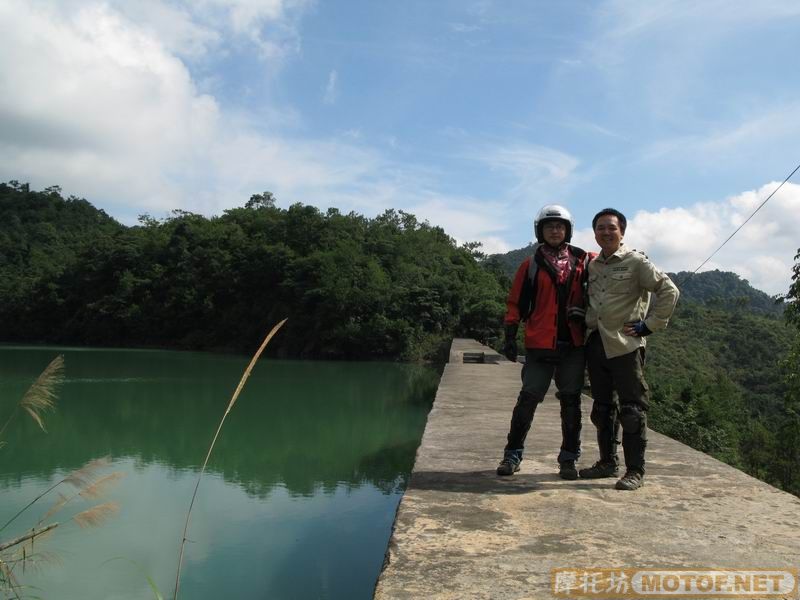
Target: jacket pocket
620, 283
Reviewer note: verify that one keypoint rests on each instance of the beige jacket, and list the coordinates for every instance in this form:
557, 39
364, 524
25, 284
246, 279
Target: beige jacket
620, 289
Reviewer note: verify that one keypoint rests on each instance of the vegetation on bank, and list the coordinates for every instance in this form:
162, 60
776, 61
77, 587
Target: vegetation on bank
388, 287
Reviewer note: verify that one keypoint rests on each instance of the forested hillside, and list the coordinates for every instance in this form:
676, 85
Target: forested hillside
716, 386
352, 287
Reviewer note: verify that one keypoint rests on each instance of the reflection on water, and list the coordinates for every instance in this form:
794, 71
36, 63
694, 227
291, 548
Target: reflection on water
299, 497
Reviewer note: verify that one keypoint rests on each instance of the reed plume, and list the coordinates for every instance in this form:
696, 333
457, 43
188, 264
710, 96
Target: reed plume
41, 396
235, 396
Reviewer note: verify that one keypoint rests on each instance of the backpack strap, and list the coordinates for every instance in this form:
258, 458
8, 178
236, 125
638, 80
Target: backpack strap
533, 268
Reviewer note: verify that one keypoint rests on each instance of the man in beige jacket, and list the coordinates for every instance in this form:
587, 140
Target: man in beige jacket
622, 283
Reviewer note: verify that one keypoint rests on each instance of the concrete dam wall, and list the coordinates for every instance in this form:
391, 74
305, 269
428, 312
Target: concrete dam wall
463, 532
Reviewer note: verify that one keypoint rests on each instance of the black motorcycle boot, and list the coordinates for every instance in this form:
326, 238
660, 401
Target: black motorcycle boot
607, 466
633, 447
567, 470
521, 420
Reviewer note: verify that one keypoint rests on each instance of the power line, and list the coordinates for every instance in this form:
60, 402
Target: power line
788, 177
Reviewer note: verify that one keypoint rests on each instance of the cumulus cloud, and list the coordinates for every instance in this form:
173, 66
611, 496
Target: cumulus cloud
101, 106
467, 220
96, 100
680, 239
100, 99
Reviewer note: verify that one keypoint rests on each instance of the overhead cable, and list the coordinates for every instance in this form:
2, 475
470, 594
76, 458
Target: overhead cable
788, 177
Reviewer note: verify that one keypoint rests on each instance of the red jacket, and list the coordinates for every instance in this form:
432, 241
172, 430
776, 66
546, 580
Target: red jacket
536, 301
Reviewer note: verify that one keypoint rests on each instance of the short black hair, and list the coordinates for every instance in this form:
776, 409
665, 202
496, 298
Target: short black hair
623, 222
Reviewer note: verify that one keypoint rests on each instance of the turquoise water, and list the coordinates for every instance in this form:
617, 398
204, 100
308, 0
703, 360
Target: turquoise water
298, 499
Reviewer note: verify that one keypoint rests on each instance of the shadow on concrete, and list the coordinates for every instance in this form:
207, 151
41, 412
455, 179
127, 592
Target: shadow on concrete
488, 482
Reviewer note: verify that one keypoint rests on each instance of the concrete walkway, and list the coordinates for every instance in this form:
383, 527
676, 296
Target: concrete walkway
463, 532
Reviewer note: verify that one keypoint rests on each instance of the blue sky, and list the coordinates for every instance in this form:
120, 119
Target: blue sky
470, 114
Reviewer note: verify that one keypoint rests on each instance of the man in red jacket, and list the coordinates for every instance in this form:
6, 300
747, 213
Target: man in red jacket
548, 296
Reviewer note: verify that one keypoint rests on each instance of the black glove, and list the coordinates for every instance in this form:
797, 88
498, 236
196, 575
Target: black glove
576, 313
640, 328
510, 346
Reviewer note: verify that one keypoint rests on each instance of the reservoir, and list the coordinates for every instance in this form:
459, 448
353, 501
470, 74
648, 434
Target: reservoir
298, 499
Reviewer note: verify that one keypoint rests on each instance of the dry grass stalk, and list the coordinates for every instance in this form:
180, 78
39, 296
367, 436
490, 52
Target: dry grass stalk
235, 396
41, 396
35, 561
28, 561
97, 515
7, 579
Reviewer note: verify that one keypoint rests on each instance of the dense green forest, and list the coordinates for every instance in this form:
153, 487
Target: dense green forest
389, 287
724, 375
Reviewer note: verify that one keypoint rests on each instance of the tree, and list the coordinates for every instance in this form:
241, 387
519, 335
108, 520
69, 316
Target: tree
265, 200
791, 365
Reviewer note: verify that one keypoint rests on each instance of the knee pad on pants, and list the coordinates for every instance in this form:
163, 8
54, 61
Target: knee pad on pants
632, 418
529, 399
602, 414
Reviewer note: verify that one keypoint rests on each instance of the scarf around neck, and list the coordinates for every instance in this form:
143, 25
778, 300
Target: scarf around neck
558, 258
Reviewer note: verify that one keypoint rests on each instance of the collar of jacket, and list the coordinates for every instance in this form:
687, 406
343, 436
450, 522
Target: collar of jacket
621, 251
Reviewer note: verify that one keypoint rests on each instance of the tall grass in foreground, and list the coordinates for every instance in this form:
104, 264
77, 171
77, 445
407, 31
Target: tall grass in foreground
20, 553
236, 393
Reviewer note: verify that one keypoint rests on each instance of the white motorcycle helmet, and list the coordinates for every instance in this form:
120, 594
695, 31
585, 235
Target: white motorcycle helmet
553, 212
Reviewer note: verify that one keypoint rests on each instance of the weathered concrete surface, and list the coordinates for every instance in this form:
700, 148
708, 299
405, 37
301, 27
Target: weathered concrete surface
463, 532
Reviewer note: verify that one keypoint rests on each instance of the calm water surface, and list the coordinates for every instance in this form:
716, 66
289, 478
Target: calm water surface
298, 500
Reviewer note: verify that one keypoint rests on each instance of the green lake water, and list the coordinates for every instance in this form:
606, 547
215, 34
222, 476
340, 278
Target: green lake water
297, 502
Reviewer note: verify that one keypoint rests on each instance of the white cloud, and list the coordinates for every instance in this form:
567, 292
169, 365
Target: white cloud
467, 220
174, 26
332, 88
97, 104
536, 170
103, 108
680, 239
249, 18
494, 245
123, 123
